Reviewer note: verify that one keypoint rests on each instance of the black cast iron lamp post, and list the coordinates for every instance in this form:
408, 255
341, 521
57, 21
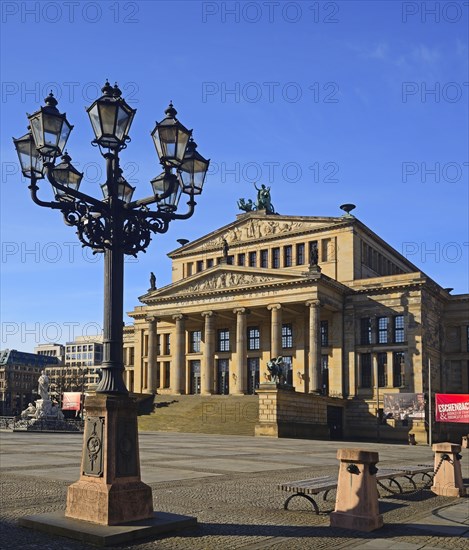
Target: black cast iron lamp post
115, 226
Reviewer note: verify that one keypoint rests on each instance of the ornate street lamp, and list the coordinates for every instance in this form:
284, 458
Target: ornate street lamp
115, 226
193, 170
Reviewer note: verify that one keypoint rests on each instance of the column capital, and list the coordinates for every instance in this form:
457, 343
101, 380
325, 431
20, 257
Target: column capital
151, 319
241, 310
270, 307
313, 303
179, 317
208, 314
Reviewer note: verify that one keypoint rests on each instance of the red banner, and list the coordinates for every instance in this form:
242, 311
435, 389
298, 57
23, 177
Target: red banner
71, 401
452, 407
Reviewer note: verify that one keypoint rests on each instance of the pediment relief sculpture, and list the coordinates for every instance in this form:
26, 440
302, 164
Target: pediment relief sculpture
226, 280
256, 229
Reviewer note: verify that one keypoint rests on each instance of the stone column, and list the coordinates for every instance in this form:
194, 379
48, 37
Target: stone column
209, 353
178, 370
152, 355
314, 356
239, 373
275, 330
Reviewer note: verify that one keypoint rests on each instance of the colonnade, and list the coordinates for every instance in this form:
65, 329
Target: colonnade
238, 359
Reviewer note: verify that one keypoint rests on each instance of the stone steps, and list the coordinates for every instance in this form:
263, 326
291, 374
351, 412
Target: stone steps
212, 414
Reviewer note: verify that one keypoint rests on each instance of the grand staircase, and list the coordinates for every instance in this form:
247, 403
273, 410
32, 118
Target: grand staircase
212, 414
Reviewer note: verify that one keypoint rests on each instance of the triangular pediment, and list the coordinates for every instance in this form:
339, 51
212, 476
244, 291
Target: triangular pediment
222, 278
254, 227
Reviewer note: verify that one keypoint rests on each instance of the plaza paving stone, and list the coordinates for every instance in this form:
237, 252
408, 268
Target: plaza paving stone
229, 483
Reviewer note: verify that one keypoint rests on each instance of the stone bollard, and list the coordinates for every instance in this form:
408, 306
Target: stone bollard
448, 481
356, 505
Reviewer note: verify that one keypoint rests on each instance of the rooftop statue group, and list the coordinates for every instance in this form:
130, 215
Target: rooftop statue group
43, 408
263, 202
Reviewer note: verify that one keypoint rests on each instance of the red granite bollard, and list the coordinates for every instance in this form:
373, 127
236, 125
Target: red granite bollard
448, 481
356, 504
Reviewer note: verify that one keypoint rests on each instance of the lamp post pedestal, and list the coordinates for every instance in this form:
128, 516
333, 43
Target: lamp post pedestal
110, 490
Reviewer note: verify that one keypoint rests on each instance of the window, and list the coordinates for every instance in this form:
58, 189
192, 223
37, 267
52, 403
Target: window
365, 330
199, 265
195, 337
288, 369
365, 370
382, 365
254, 338
252, 259
230, 260
398, 369
158, 344
399, 335
167, 373
324, 333
287, 255
167, 344
287, 336
264, 258
275, 258
189, 269
300, 254
209, 262
241, 259
325, 244
325, 374
224, 340
383, 330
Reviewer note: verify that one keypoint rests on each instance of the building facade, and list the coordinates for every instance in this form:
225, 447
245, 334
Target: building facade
19, 374
351, 317
80, 371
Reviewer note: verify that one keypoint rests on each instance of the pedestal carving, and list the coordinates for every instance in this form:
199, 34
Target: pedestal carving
110, 490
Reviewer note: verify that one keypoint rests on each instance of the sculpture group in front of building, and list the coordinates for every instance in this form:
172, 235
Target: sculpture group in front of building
264, 201
43, 408
276, 370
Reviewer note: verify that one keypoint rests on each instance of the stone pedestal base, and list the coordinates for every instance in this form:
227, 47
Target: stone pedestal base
448, 480
356, 505
55, 523
109, 504
110, 491
346, 520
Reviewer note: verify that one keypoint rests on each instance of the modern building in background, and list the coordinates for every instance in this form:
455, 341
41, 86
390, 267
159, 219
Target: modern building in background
351, 317
51, 350
19, 374
80, 370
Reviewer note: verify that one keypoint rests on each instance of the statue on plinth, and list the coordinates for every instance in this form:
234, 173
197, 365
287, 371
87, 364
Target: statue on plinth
152, 281
43, 386
276, 370
226, 248
264, 201
43, 407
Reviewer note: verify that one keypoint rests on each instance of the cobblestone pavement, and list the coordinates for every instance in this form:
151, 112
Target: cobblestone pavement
235, 509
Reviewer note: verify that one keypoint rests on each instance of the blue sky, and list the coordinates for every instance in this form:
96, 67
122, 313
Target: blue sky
326, 102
